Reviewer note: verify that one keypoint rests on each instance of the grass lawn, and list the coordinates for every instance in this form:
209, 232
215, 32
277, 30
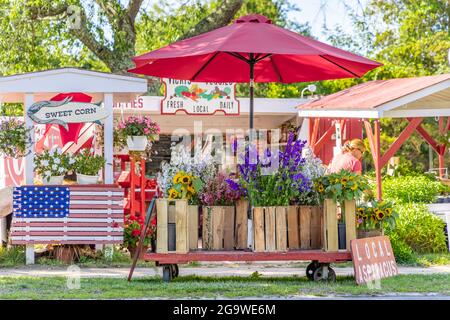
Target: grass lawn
211, 287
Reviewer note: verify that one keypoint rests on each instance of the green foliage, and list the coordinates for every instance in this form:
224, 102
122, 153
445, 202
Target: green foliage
13, 138
416, 227
53, 163
12, 256
402, 251
417, 189
88, 163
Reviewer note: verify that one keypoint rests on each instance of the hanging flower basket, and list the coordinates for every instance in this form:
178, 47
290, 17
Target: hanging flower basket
13, 138
137, 143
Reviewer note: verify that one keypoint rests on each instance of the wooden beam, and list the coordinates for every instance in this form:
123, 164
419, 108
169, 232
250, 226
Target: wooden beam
428, 138
378, 159
370, 137
315, 131
413, 124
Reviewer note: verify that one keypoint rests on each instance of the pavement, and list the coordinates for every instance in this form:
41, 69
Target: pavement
211, 270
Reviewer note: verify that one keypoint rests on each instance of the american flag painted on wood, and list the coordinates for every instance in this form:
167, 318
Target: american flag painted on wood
73, 214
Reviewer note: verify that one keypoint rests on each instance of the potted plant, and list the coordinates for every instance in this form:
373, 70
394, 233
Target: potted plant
372, 216
138, 130
87, 165
13, 138
218, 199
52, 165
132, 233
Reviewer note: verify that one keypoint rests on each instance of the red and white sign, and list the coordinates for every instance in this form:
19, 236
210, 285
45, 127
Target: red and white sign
373, 259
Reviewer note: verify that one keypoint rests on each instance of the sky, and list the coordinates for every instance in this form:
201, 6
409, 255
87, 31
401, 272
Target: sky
331, 12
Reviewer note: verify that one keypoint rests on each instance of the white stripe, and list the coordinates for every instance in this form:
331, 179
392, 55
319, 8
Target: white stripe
97, 211
105, 219
71, 238
109, 202
66, 229
96, 193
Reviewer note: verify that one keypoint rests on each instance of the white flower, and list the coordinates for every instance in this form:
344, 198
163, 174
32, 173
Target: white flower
54, 167
61, 170
44, 163
58, 151
71, 161
47, 174
57, 161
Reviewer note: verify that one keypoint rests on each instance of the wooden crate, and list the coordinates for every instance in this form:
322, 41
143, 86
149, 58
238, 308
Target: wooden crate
185, 218
330, 234
304, 227
241, 226
270, 229
218, 228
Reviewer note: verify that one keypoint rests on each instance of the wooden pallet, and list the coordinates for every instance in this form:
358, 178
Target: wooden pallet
218, 228
270, 229
185, 218
304, 227
330, 232
241, 226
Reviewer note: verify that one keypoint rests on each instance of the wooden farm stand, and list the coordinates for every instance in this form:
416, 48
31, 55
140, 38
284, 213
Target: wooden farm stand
318, 269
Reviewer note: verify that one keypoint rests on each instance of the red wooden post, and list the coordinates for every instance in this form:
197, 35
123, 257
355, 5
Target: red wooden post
441, 153
378, 160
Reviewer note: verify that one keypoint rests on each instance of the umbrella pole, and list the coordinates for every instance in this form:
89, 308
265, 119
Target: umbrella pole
250, 206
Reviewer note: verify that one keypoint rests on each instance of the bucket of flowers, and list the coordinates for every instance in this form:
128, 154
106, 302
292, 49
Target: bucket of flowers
132, 232
52, 165
13, 138
138, 130
372, 216
87, 165
218, 199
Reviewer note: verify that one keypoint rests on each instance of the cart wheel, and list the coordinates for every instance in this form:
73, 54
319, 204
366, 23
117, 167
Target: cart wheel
319, 274
175, 270
167, 273
311, 268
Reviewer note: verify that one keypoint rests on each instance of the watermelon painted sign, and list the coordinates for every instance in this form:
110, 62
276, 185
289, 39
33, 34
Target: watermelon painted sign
66, 111
199, 97
373, 259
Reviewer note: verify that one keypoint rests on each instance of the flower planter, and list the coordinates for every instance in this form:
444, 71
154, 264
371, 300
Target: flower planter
177, 226
270, 229
137, 143
305, 227
218, 228
241, 224
331, 231
86, 179
53, 180
361, 234
132, 251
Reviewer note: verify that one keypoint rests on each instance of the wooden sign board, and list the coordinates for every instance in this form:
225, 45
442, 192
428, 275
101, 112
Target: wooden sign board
66, 111
199, 98
373, 259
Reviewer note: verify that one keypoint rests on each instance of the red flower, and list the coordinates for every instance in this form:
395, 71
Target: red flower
115, 225
136, 232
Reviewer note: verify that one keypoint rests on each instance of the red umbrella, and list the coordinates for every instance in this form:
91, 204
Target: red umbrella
251, 49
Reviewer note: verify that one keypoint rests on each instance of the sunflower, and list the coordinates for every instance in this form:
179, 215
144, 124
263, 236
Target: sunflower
320, 188
344, 180
173, 194
388, 211
191, 189
177, 177
186, 179
354, 187
360, 211
379, 214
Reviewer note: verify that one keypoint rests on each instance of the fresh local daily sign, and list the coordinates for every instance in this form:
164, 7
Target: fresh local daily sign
66, 111
199, 97
373, 259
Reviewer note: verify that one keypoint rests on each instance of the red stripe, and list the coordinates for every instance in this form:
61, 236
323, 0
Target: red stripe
68, 233
68, 224
95, 206
22, 242
95, 188
94, 197
96, 215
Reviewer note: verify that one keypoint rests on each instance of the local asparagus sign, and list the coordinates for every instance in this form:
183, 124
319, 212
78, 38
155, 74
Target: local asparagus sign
199, 97
373, 259
65, 112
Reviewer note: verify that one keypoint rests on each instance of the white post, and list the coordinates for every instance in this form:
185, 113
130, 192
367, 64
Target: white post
108, 138
29, 163
108, 149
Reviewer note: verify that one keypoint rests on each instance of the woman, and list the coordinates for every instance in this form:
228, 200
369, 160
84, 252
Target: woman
350, 157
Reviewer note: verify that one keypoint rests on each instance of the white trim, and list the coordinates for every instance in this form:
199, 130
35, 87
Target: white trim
404, 113
108, 140
29, 158
368, 114
414, 96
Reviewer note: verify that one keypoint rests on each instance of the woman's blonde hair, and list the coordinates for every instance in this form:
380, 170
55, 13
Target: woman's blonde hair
354, 144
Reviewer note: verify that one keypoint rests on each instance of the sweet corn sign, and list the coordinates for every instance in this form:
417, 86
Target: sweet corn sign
373, 259
66, 111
